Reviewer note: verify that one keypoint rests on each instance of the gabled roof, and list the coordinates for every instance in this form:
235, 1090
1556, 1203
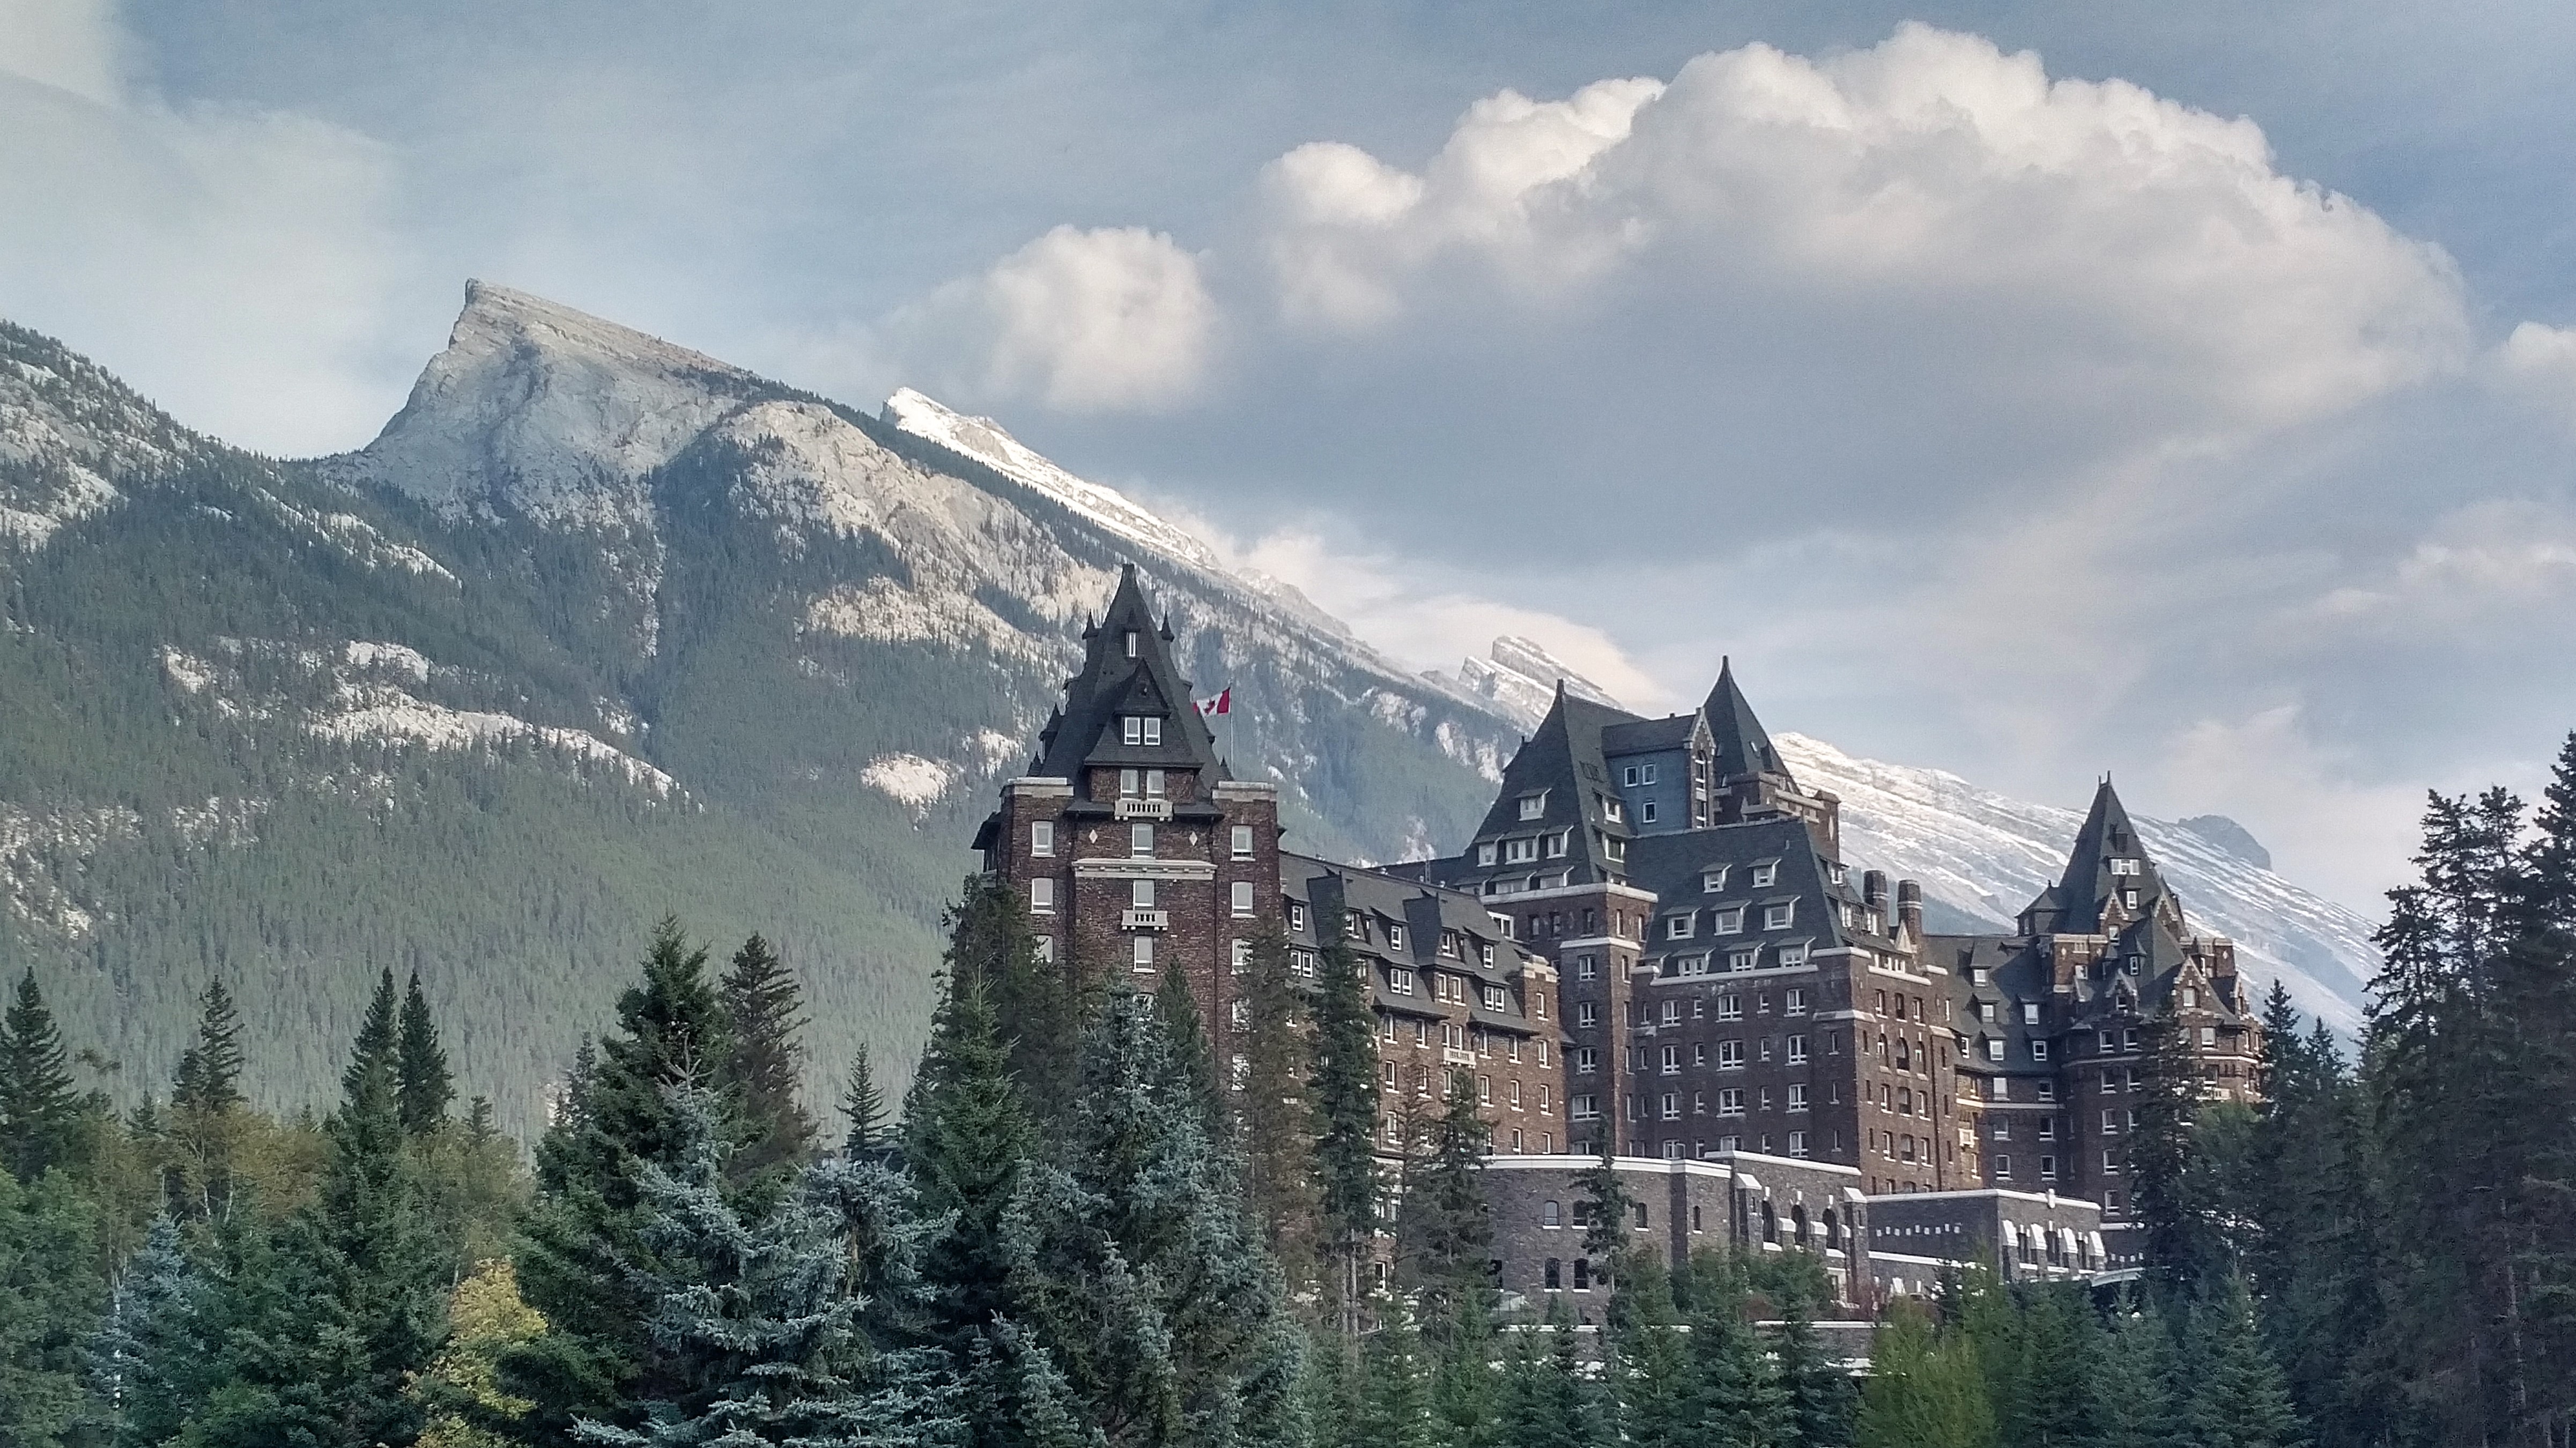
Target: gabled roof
1112, 684
1562, 762
2088, 889
1742, 745
1649, 736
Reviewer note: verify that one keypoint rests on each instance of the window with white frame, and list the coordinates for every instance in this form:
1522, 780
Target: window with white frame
1144, 952
1780, 916
1239, 956
1730, 1055
1485, 853
1797, 1050
1046, 950
1587, 1060
1587, 967
1534, 806
1797, 1142
1242, 842
1556, 843
1766, 874
2039, 1050
1587, 1015
1794, 1002
1584, 1107
1140, 840
1679, 927
1672, 1013
1797, 1095
1672, 1060
1399, 981
1793, 953
1994, 1049
1041, 837
1645, 811
1520, 851
1672, 1106
1730, 1008
1042, 896
1242, 892
1712, 881
1730, 921
1730, 1101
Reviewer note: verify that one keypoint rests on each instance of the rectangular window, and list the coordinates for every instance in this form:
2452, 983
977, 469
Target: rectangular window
1743, 959
2030, 1013
1042, 896
1140, 841
1779, 917
1994, 1050
1672, 1105
2048, 1168
1797, 1096
1765, 874
1730, 1008
2111, 1163
1153, 731
1795, 1003
1546, 1099
1730, 1102
1797, 1141
2039, 1050
1793, 953
1534, 806
1630, 777
1127, 782
1797, 1050
1140, 893
1243, 897
1672, 1013
1584, 1107
1042, 837
1646, 812
1485, 853
1730, 1055
1243, 842
1520, 851
1729, 921
2003, 1168
1046, 950
1144, 952
1587, 1015
1678, 928
1586, 1060
1399, 981
1241, 956
1587, 967
1712, 881
1672, 1060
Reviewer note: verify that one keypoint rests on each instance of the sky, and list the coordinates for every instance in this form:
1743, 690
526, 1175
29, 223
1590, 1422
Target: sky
2181, 391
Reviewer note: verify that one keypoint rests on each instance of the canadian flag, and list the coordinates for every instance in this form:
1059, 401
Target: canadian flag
1223, 703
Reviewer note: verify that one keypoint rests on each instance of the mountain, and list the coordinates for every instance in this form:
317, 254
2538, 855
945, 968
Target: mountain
599, 627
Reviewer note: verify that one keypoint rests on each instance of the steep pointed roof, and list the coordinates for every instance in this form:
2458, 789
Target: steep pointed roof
1742, 745
1560, 769
2108, 857
1127, 669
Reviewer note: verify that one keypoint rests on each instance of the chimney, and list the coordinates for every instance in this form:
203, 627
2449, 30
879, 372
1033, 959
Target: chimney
1909, 908
1873, 889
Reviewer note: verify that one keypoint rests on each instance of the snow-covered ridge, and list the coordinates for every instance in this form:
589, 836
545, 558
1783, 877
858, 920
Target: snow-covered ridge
364, 691
1518, 680
1987, 854
68, 433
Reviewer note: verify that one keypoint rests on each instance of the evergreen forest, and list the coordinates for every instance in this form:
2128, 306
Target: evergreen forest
1070, 1230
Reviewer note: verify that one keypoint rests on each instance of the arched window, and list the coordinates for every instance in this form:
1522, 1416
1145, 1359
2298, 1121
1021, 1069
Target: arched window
1770, 1223
1582, 1274
1555, 1274
1798, 1224
1551, 1215
1833, 1229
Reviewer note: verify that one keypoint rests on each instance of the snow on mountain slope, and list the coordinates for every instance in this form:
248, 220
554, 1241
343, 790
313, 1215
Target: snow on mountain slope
1519, 680
68, 433
1986, 855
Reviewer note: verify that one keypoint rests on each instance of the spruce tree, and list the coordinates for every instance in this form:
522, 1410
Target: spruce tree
1277, 1129
205, 1122
2240, 1400
145, 1360
615, 1118
50, 1298
421, 1065
2169, 1181
1548, 1400
1741, 1394
209, 1076
1654, 1378
1606, 1209
967, 1141
40, 1112
765, 1066
1193, 1060
1444, 1228
2130, 1402
863, 1108
1466, 1394
756, 1329
379, 1042
1394, 1405
1924, 1388
1035, 1006
1345, 1102
460, 1391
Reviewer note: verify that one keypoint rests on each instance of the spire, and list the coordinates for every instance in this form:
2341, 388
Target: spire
1128, 672
2108, 858
1742, 745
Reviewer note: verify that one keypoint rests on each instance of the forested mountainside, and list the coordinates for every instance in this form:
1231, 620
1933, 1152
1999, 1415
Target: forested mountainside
600, 628
597, 629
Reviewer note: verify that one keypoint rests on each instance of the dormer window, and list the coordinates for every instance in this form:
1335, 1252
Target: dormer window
1679, 927
1610, 809
1766, 874
1485, 853
1556, 844
1131, 643
1534, 806
1520, 851
1140, 729
2124, 867
1394, 936
1712, 881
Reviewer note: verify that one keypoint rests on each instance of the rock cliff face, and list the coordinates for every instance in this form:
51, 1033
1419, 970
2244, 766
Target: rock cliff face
600, 627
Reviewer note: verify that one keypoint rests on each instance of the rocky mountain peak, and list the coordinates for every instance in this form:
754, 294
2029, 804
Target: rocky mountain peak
1518, 680
536, 409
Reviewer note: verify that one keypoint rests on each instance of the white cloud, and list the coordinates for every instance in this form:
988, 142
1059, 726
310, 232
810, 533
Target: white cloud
2071, 243
2538, 361
2502, 559
2336, 834
231, 264
1109, 320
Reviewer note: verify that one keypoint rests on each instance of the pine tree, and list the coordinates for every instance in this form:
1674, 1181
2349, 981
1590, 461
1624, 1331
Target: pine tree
1547, 1400
1192, 1059
1925, 1389
1277, 1130
209, 1077
40, 1112
2241, 1400
1444, 1228
1466, 1394
1605, 1210
1394, 1407
379, 1042
420, 1064
1345, 1100
206, 1110
1656, 1382
764, 1068
1034, 1005
1821, 1398
2169, 1181
1741, 1394
863, 1108
1020, 1398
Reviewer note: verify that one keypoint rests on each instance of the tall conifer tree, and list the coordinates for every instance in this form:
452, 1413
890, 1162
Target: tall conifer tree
765, 1063
421, 1065
40, 1112
863, 1108
1277, 1128
1345, 1099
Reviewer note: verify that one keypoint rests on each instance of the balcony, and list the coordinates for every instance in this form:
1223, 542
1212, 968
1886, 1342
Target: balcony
1144, 919
1144, 809
1453, 1056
